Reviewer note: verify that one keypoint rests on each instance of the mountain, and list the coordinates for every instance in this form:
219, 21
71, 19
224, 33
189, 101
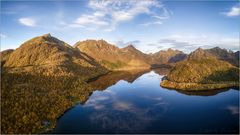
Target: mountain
168, 56
218, 53
202, 71
113, 57
225, 55
49, 55
45, 76
237, 55
4, 55
134, 53
199, 54
40, 80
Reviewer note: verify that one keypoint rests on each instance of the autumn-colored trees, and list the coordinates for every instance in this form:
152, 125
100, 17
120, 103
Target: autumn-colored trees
28, 101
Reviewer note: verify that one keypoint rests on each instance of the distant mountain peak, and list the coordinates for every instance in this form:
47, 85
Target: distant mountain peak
130, 47
217, 48
47, 35
170, 50
199, 49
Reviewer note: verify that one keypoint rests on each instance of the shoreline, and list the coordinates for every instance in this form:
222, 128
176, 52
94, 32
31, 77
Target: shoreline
198, 86
53, 124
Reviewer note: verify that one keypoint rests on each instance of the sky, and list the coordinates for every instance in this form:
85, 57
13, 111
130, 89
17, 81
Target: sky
149, 25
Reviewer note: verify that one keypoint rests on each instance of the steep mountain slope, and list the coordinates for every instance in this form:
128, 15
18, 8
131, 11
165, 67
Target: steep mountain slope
111, 56
237, 56
202, 71
48, 55
168, 56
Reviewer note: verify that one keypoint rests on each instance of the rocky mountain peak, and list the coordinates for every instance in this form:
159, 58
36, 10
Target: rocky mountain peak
48, 35
130, 47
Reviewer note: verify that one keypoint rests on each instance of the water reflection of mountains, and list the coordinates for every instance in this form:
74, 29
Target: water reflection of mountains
105, 81
112, 78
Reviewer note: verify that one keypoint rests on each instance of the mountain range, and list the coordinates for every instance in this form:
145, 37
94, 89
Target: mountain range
49, 55
45, 76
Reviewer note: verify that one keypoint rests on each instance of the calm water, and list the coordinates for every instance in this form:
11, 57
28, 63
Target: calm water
138, 104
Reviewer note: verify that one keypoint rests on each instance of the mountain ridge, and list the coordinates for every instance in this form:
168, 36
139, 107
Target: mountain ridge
48, 55
111, 56
48, 50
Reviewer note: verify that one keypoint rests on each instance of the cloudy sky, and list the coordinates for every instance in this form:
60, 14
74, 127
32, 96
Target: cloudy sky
150, 25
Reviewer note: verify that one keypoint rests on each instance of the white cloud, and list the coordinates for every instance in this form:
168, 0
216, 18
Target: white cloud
27, 22
234, 11
108, 14
151, 23
188, 43
90, 19
3, 35
122, 43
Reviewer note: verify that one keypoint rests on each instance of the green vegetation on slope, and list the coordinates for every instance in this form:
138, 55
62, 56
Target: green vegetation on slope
202, 74
112, 66
203, 71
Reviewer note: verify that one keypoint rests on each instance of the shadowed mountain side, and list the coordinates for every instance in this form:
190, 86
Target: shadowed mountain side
4, 55
112, 78
177, 58
225, 55
162, 71
228, 75
168, 56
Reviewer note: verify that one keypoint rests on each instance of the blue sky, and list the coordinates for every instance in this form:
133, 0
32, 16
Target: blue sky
150, 25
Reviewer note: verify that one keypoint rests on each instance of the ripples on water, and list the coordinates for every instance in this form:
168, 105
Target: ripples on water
136, 103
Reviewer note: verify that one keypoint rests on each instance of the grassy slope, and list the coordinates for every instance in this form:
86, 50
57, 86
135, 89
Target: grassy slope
202, 74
